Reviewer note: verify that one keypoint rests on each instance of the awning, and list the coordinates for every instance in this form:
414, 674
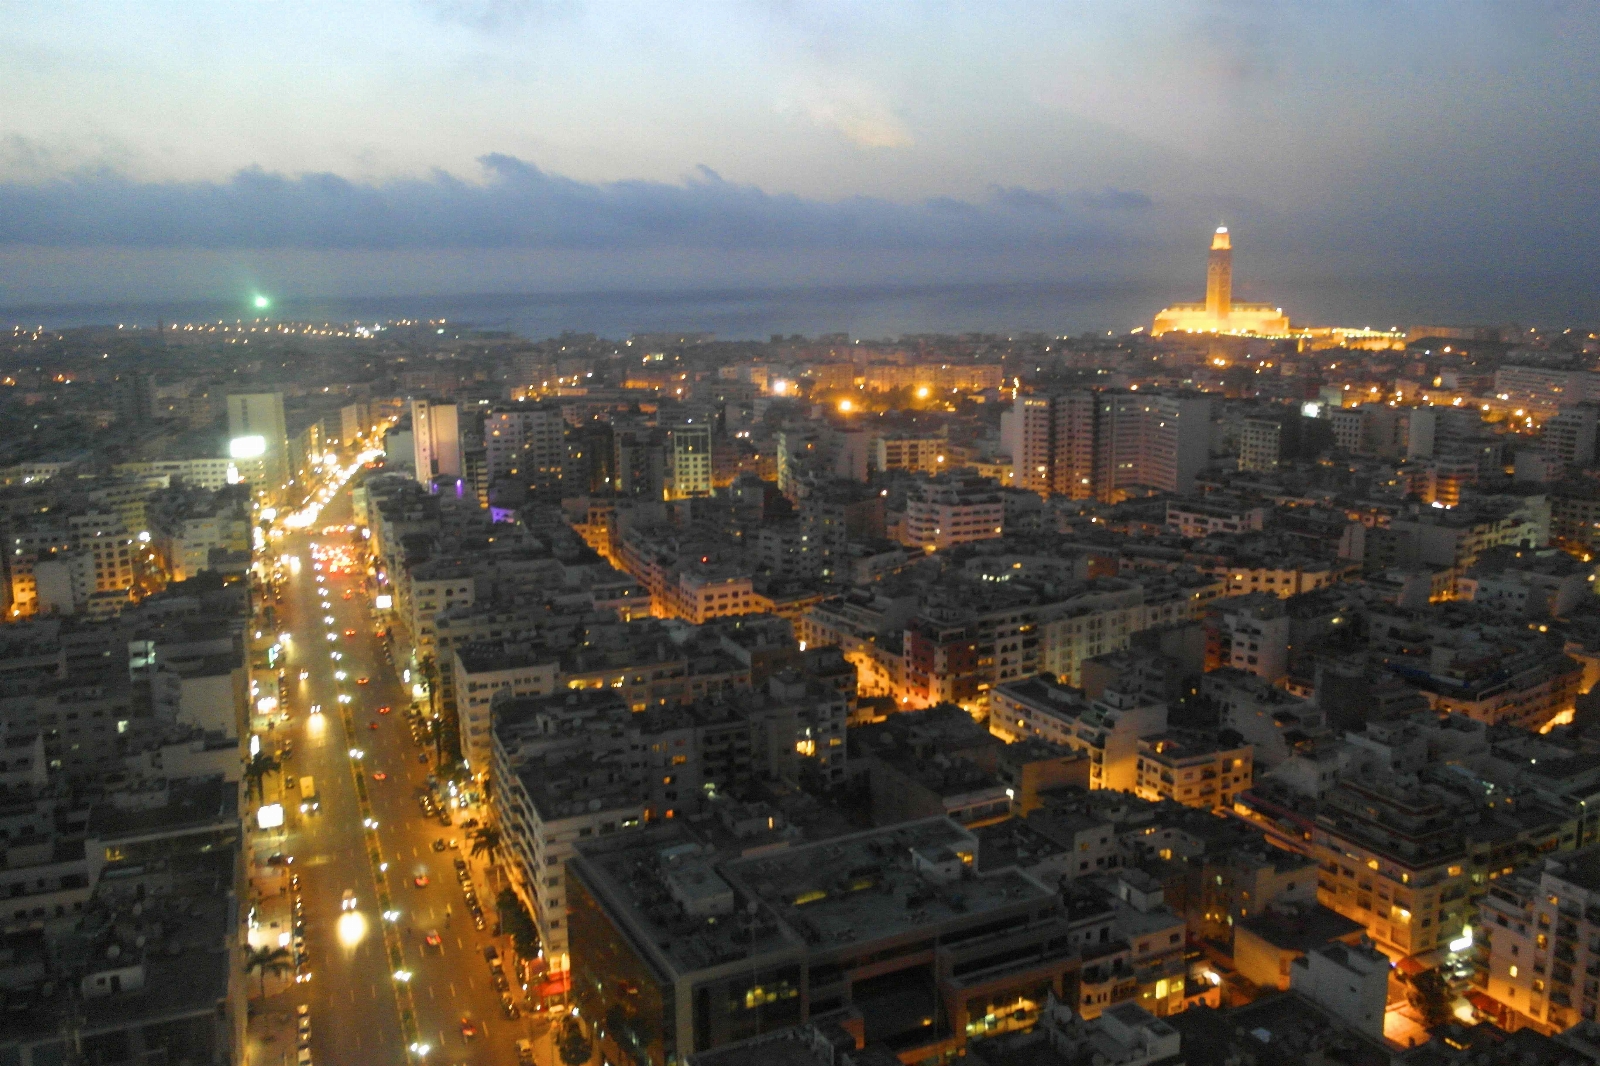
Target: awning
1485, 1002
1411, 965
558, 985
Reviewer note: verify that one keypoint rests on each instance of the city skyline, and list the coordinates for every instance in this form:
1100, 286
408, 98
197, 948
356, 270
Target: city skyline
520, 148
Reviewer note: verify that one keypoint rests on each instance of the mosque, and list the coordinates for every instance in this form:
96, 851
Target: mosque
1219, 314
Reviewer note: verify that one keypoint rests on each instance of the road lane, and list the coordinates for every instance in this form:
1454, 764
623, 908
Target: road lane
330, 846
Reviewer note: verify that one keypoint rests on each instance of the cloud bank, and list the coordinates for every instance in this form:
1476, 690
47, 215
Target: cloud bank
516, 205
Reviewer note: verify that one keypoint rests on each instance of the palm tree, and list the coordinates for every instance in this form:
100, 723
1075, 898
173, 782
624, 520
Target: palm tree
256, 771
262, 961
486, 841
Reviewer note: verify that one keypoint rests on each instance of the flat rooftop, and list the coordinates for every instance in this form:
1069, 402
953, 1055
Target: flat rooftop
865, 886
861, 887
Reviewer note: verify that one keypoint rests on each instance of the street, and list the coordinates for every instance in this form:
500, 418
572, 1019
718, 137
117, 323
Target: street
356, 1000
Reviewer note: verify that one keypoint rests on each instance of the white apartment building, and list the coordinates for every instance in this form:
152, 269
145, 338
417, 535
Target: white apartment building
1107, 730
1541, 926
1254, 633
435, 440
944, 512
691, 461
1351, 982
484, 671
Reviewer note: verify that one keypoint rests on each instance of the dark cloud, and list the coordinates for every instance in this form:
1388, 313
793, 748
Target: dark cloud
516, 205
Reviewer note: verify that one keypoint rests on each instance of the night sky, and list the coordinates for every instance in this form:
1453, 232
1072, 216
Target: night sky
1409, 156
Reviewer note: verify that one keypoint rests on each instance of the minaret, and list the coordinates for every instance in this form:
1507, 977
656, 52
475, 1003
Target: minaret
1219, 278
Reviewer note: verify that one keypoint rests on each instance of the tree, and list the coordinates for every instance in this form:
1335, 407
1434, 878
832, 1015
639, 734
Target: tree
516, 921
573, 1043
486, 841
1431, 996
262, 961
256, 771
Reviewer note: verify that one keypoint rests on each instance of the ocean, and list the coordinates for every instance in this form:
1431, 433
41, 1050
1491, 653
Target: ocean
729, 314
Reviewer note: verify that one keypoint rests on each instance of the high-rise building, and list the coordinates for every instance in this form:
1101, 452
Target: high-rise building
526, 441
136, 397
691, 460
1570, 436
1100, 444
258, 441
1260, 440
436, 437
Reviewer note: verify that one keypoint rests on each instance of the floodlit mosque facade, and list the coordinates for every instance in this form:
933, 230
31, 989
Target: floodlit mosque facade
1219, 314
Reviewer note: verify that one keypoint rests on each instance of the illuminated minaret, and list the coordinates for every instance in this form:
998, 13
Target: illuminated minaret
1219, 278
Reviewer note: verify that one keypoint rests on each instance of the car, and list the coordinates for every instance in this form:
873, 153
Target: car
508, 1007
477, 919
305, 1024
421, 880
363, 680
278, 858
303, 1058
316, 708
461, 864
524, 1053
349, 632
305, 675
433, 939
372, 725
304, 1010
422, 756
347, 594
347, 902
498, 979
385, 709
444, 818
491, 955
294, 882
469, 1028
438, 845
380, 776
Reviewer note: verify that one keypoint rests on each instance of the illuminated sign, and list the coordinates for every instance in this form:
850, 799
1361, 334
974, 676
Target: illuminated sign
251, 447
1464, 941
1311, 409
383, 601
270, 816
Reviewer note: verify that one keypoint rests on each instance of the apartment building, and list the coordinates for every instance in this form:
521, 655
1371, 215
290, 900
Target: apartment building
1252, 634
691, 460
1539, 930
1260, 445
944, 512
1410, 859
1108, 729
525, 441
1101, 444
917, 455
1193, 769
482, 672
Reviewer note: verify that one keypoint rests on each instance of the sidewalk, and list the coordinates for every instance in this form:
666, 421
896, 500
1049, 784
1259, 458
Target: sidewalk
272, 1029
270, 1036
